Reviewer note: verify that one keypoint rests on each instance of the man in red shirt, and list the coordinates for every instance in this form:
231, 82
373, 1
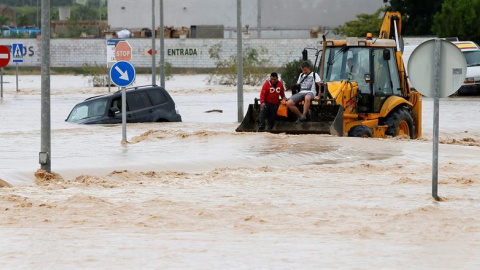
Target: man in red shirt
272, 90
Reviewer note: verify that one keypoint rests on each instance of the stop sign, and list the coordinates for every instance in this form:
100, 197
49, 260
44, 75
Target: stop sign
123, 51
4, 56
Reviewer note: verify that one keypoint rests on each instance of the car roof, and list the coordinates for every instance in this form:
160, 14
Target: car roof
467, 45
129, 89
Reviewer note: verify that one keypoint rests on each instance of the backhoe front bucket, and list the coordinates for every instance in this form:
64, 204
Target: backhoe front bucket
322, 119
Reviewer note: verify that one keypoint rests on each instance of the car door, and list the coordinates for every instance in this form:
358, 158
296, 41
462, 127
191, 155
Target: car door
163, 105
115, 110
139, 107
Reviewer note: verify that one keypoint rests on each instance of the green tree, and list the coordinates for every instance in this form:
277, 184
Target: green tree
4, 20
458, 18
365, 23
84, 13
417, 16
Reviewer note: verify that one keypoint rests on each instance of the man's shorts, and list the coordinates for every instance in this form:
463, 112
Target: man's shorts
301, 96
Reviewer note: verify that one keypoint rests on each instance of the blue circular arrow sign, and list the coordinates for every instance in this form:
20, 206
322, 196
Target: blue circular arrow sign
122, 73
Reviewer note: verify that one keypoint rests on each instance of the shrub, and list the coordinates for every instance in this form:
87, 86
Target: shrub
168, 71
99, 74
290, 73
255, 69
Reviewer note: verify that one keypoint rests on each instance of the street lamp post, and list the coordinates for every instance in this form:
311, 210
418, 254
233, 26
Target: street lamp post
45, 147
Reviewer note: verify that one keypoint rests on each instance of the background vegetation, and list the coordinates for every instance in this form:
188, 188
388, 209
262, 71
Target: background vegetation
28, 13
255, 68
290, 73
364, 24
443, 18
458, 18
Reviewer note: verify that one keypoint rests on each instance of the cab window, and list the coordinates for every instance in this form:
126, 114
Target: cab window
386, 81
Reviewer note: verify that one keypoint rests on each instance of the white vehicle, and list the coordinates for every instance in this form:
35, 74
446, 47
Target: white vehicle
471, 51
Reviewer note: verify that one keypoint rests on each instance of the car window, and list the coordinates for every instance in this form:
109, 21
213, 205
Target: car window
117, 102
138, 101
88, 109
156, 96
145, 99
473, 58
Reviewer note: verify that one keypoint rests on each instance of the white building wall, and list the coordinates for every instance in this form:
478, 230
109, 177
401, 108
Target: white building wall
76, 52
274, 16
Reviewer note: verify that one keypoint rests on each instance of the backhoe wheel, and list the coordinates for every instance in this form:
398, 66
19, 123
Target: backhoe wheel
400, 123
360, 131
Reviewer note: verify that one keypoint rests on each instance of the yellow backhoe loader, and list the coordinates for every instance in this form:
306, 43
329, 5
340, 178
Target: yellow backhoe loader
365, 91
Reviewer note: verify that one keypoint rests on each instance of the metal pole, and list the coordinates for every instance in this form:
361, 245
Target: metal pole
45, 148
109, 80
162, 48
124, 114
259, 18
396, 36
1, 81
16, 74
240, 62
154, 72
436, 108
99, 15
37, 13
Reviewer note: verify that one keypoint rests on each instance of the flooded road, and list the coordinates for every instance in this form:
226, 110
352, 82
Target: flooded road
198, 195
204, 141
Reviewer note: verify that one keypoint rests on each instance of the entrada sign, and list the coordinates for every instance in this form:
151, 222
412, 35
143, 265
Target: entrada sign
182, 52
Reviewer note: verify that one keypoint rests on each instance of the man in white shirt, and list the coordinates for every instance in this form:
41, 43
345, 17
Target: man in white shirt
308, 81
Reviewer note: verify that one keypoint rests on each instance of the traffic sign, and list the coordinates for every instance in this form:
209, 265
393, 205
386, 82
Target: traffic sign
4, 56
111, 44
122, 73
17, 52
452, 68
148, 51
123, 51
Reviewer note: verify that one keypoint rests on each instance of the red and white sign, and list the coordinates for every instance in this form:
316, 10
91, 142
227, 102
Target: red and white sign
4, 56
148, 51
123, 51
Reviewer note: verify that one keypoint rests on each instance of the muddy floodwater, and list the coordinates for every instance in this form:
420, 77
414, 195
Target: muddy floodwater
198, 195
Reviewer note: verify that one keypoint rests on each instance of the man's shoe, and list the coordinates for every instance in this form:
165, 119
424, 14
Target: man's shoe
301, 118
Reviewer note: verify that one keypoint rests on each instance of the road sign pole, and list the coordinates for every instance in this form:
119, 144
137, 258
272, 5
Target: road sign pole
240, 62
123, 74
1, 81
109, 82
16, 68
436, 104
154, 71
124, 114
429, 75
162, 47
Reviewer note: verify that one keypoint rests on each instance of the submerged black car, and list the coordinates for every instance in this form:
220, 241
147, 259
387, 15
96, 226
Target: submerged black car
144, 104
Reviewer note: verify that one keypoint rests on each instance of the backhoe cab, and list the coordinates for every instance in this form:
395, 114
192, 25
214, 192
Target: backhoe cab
366, 92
